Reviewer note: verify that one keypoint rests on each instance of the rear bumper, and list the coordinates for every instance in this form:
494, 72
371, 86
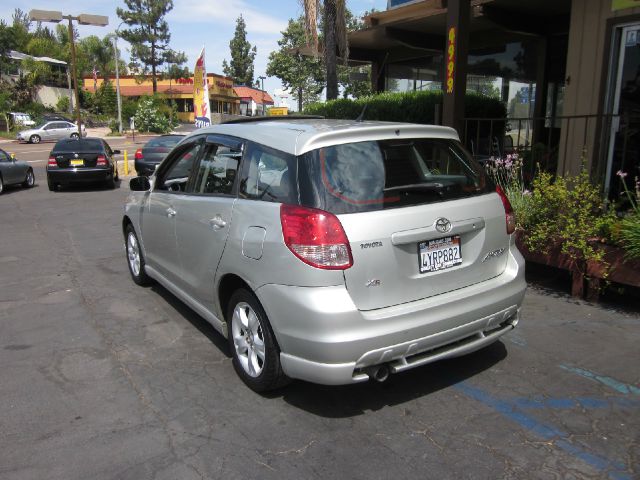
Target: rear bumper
79, 175
325, 339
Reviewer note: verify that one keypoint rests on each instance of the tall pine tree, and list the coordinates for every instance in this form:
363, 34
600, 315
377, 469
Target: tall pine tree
148, 33
242, 56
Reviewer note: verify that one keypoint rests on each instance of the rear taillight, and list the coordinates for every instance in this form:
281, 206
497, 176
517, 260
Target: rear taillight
102, 161
52, 162
316, 237
508, 211
138, 155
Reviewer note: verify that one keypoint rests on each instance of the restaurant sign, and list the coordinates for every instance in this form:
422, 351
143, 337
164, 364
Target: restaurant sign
451, 57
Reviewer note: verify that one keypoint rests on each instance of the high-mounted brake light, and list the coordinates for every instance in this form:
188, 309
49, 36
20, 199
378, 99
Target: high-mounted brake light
316, 237
102, 161
138, 155
510, 217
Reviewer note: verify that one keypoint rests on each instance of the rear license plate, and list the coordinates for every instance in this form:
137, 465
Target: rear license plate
77, 163
439, 254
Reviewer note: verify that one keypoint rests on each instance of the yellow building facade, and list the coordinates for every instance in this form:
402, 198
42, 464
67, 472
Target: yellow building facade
222, 98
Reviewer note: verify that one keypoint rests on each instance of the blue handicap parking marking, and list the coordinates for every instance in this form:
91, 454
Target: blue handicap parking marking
514, 410
616, 385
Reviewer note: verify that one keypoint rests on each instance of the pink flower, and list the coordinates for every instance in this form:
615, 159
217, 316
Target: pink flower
527, 193
621, 174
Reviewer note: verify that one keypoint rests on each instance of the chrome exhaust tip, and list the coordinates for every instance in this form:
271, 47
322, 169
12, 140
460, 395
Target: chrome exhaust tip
379, 373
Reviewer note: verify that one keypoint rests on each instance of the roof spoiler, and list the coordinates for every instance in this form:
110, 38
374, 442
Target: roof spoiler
274, 118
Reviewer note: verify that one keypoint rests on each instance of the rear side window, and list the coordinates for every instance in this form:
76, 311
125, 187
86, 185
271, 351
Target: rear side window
165, 141
268, 175
376, 175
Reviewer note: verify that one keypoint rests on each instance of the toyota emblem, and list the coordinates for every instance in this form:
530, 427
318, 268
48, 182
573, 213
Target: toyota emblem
443, 225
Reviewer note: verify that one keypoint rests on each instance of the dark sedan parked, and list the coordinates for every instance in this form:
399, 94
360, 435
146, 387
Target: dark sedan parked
82, 161
154, 151
13, 171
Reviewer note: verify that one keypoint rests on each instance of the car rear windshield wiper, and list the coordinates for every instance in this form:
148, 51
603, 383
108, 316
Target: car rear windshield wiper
430, 186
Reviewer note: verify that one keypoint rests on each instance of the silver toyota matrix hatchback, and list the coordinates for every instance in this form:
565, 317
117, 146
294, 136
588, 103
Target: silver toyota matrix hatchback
328, 250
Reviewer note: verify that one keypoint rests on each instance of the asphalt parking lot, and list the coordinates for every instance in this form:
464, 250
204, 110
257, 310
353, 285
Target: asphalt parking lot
102, 379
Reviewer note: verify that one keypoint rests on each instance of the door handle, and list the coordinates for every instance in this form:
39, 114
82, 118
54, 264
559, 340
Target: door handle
171, 212
217, 222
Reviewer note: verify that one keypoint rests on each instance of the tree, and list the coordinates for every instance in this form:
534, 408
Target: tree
149, 33
301, 75
7, 43
334, 32
240, 68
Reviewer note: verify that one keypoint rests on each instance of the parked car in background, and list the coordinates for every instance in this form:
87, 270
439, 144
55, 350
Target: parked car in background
48, 131
14, 172
85, 160
20, 119
52, 117
330, 251
149, 157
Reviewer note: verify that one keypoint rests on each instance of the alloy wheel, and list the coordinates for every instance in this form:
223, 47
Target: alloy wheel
133, 253
248, 339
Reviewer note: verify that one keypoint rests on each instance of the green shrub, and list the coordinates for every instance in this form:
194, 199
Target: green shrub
568, 211
153, 115
414, 107
629, 229
629, 235
63, 104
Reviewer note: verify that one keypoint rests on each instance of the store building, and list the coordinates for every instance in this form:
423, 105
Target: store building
221, 95
253, 101
568, 70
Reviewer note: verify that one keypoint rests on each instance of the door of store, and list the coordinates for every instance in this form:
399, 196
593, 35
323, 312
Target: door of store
624, 147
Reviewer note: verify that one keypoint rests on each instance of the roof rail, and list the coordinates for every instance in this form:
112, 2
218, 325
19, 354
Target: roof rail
274, 118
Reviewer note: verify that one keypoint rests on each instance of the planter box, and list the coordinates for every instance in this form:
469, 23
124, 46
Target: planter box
586, 279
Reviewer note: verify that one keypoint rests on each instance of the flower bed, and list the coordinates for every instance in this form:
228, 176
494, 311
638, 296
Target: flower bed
564, 222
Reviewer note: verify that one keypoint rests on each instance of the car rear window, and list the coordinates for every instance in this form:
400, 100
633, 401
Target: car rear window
71, 145
377, 175
164, 141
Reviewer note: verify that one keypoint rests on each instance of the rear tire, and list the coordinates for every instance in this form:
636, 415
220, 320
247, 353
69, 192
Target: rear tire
75, 136
51, 185
29, 180
111, 183
135, 258
1, 185
34, 139
255, 352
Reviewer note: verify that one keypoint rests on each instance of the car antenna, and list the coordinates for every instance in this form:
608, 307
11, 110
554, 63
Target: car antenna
361, 116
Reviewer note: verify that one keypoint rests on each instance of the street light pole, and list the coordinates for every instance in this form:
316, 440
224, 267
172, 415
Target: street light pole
75, 74
82, 19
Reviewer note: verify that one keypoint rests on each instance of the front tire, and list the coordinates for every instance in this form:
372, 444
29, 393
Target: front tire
135, 258
256, 356
34, 139
1, 185
75, 136
29, 180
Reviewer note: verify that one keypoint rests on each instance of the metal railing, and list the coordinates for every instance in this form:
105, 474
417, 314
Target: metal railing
550, 143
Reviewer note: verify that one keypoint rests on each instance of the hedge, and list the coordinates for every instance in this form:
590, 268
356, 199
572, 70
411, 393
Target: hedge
414, 107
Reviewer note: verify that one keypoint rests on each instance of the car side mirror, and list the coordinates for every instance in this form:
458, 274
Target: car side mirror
140, 184
116, 152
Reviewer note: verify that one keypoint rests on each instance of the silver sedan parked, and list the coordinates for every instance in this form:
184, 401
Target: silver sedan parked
13, 172
47, 131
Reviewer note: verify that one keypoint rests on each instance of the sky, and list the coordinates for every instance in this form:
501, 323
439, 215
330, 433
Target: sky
197, 23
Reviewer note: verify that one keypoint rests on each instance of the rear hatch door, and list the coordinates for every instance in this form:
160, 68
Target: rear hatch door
422, 217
